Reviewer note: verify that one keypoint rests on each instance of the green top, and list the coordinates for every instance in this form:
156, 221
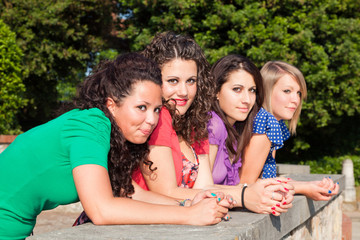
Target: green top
36, 169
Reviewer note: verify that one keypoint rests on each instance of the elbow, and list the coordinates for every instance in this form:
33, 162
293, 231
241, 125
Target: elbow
98, 218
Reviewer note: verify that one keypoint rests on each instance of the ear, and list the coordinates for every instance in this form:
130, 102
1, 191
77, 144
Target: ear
217, 96
110, 104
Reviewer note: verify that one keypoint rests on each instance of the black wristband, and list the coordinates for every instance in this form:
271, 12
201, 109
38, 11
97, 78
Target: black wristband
242, 195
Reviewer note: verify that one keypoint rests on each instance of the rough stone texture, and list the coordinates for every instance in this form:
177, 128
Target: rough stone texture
330, 220
348, 171
316, 219
286, 169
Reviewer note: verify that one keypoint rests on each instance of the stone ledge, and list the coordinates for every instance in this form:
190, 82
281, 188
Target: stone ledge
243, 225
286, 169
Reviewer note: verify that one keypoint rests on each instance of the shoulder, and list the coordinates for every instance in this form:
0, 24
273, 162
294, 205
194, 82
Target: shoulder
91, 123
264, 121
216, 126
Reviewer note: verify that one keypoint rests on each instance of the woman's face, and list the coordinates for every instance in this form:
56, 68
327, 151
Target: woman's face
285, 97
237, 96
179, 83
138, 113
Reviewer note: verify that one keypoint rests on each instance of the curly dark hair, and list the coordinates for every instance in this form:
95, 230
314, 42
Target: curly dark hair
241, 134
167, 46
115, 79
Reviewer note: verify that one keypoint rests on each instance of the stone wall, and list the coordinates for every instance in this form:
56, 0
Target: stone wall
307, 219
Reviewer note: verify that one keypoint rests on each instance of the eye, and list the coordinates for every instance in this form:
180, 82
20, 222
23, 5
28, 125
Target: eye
299, 93
172, 81
252, 90
157, 110
191, 81
237, 89
286, 91
142, 107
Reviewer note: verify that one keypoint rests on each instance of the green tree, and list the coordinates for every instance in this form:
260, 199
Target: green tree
11, 87
59, 39
320, 37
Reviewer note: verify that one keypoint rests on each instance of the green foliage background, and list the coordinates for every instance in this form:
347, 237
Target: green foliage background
321, 37
11, 87
58, 39
61, 40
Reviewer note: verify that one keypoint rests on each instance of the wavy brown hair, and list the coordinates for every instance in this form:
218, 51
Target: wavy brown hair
168, 46
238, 135
115, 79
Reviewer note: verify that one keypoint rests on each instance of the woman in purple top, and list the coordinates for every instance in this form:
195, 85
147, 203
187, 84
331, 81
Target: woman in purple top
239, 96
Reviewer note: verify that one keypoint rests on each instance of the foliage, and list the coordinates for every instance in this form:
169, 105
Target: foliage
333, 165
58, 39
320, 37
11, 87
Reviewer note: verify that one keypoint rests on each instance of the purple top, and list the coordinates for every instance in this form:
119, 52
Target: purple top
224, 172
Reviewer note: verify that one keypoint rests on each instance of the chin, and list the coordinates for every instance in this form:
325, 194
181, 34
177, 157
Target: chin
138, 140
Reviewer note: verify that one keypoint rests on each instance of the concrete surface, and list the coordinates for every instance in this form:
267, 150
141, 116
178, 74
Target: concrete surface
243, 225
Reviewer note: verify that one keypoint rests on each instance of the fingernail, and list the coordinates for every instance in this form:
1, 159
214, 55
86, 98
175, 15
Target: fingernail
213, 194
278, 204
278, 180
273, 212
337, 183
329, 177
289, 178
273, 208
284, 203
235, 202
231, 199
329, 191
286, 189
285, 182
219, 199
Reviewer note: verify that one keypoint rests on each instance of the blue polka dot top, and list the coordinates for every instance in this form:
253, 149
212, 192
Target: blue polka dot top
277, 132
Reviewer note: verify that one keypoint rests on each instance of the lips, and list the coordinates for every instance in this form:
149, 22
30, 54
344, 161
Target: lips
146, 132
244, 110
181, 102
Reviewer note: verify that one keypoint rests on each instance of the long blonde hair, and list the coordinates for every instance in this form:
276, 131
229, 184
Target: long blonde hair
271, 72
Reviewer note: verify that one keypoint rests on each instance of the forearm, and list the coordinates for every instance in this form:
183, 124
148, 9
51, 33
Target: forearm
152, 197
299, 187
128, 211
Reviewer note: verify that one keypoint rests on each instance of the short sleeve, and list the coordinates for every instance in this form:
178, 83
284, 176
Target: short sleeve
216, 129
276, 131
86, 135
161, 135
202, 147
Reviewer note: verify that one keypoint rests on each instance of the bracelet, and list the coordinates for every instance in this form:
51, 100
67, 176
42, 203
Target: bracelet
182, 202
242, 195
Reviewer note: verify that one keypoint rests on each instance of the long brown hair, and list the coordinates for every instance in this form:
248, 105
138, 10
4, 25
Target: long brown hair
238, 135
115, 79
168, 46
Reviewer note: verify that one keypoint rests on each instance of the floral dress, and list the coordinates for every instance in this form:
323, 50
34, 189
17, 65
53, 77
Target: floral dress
277, 132
190, 171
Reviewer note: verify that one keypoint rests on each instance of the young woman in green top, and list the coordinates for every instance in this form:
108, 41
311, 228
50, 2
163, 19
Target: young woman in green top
89, 153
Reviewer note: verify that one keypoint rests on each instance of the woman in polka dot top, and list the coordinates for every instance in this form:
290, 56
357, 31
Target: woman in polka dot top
284, 92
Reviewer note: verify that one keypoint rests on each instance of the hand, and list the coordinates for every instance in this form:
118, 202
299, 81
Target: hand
321, 190
223, 200
207, 212
269, 196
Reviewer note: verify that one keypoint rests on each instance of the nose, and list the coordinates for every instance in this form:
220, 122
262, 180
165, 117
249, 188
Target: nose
245, 97
182, 90
295, 98
151, 118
